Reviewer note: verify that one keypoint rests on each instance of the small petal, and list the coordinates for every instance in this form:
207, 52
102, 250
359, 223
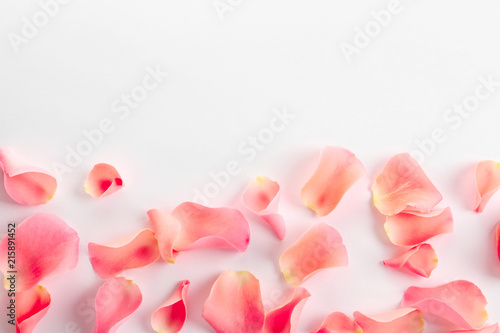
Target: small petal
103, 180
234, 304
421, 260
132, 251
487, 329
116, 300
407, 320
403, 186
498, 240
487, 182
166, 229
26, 184
318, 248
171, 315
31, 307
285, 318
337, 171
337, 322
460, 302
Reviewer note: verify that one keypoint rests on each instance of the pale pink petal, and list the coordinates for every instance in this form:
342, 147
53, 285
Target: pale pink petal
337, 171
318, 248
26, 184
30, 307
487, 182
403, 186
407, 320
234, 304
103, 180
285, 318
116, 300
166, 229
498, 240
261, 196
487, 329
337, 322
171, 315
460, 302
421, 260
45, 245
136, 250
406, 229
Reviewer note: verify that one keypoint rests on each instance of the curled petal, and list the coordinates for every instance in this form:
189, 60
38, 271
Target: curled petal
421, 260
406, 229
116, 300
45, 245
234, 304
498, 240
318, 248
487, 329
26, 184
30, 307
171, 315
337, 171
460, 302
103, 180
403, 186
261, 196
284, 319
407, 320
487, 182
337, 322
166, 229
132, 251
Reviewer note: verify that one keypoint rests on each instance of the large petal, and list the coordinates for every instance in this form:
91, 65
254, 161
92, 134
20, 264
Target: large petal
285, 318
403, 186
30, 307
103, 180
421, 260
337, 171
171, 315
487, 182
132, 251
337, 322
318, 248
116, 300
45, 245
26, 184
487, 329
407, 320
234, 304
460, 302
498, 240
166, 229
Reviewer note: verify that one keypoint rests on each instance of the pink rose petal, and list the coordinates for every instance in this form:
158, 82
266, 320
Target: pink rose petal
285, 318
337, 322
31, 306
487, 329
487, 182
498, 240
171, 315
421, 260
103, 180
402, 320
166, 229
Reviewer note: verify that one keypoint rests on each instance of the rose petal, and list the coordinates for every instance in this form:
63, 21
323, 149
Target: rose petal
487, 329
284, 319
403, 186
234, 304
136, 250
411, 229
498, 240
318, 248
171, 315
402, 320
487, 182
166, 229
45, 245
261, 196
337, 171
460, 302
337, 322
26, 184
116, 300
31, 306
421, 260
103, 180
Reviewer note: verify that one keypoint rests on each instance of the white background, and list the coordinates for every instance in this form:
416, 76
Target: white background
225, 78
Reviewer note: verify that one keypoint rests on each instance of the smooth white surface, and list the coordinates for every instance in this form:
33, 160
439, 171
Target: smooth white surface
225, 79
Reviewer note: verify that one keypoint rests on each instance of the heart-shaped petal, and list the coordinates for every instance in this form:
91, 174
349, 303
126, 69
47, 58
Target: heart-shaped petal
103, 180
285, 318
407, 320
171, 315
421, 260
337, 322
30, 307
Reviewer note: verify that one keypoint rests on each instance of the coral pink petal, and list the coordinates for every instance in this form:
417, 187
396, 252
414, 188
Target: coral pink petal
318, 248
132, 251
406, 229
407, 320
487, 329
30, 306
487, 182
234, 304
498, 240
460, 302
166, 229
421, 260
403, 186
337, 171
285, 318
103, 180
116, 300
25, 184
45, 245
337, 322
171, 315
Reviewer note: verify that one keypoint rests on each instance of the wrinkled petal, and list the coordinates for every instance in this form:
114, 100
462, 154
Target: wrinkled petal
402, 320
234, 304
460, 302
116, 300
337, 171
261, 196
285, 318
318, 248
26, 184
103, 180
166, 229
337, 322
171, 315
498, 240
403, 186
487, 182
136, 250
421, 260
45, 245
31, 306
406, 229
487, 329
